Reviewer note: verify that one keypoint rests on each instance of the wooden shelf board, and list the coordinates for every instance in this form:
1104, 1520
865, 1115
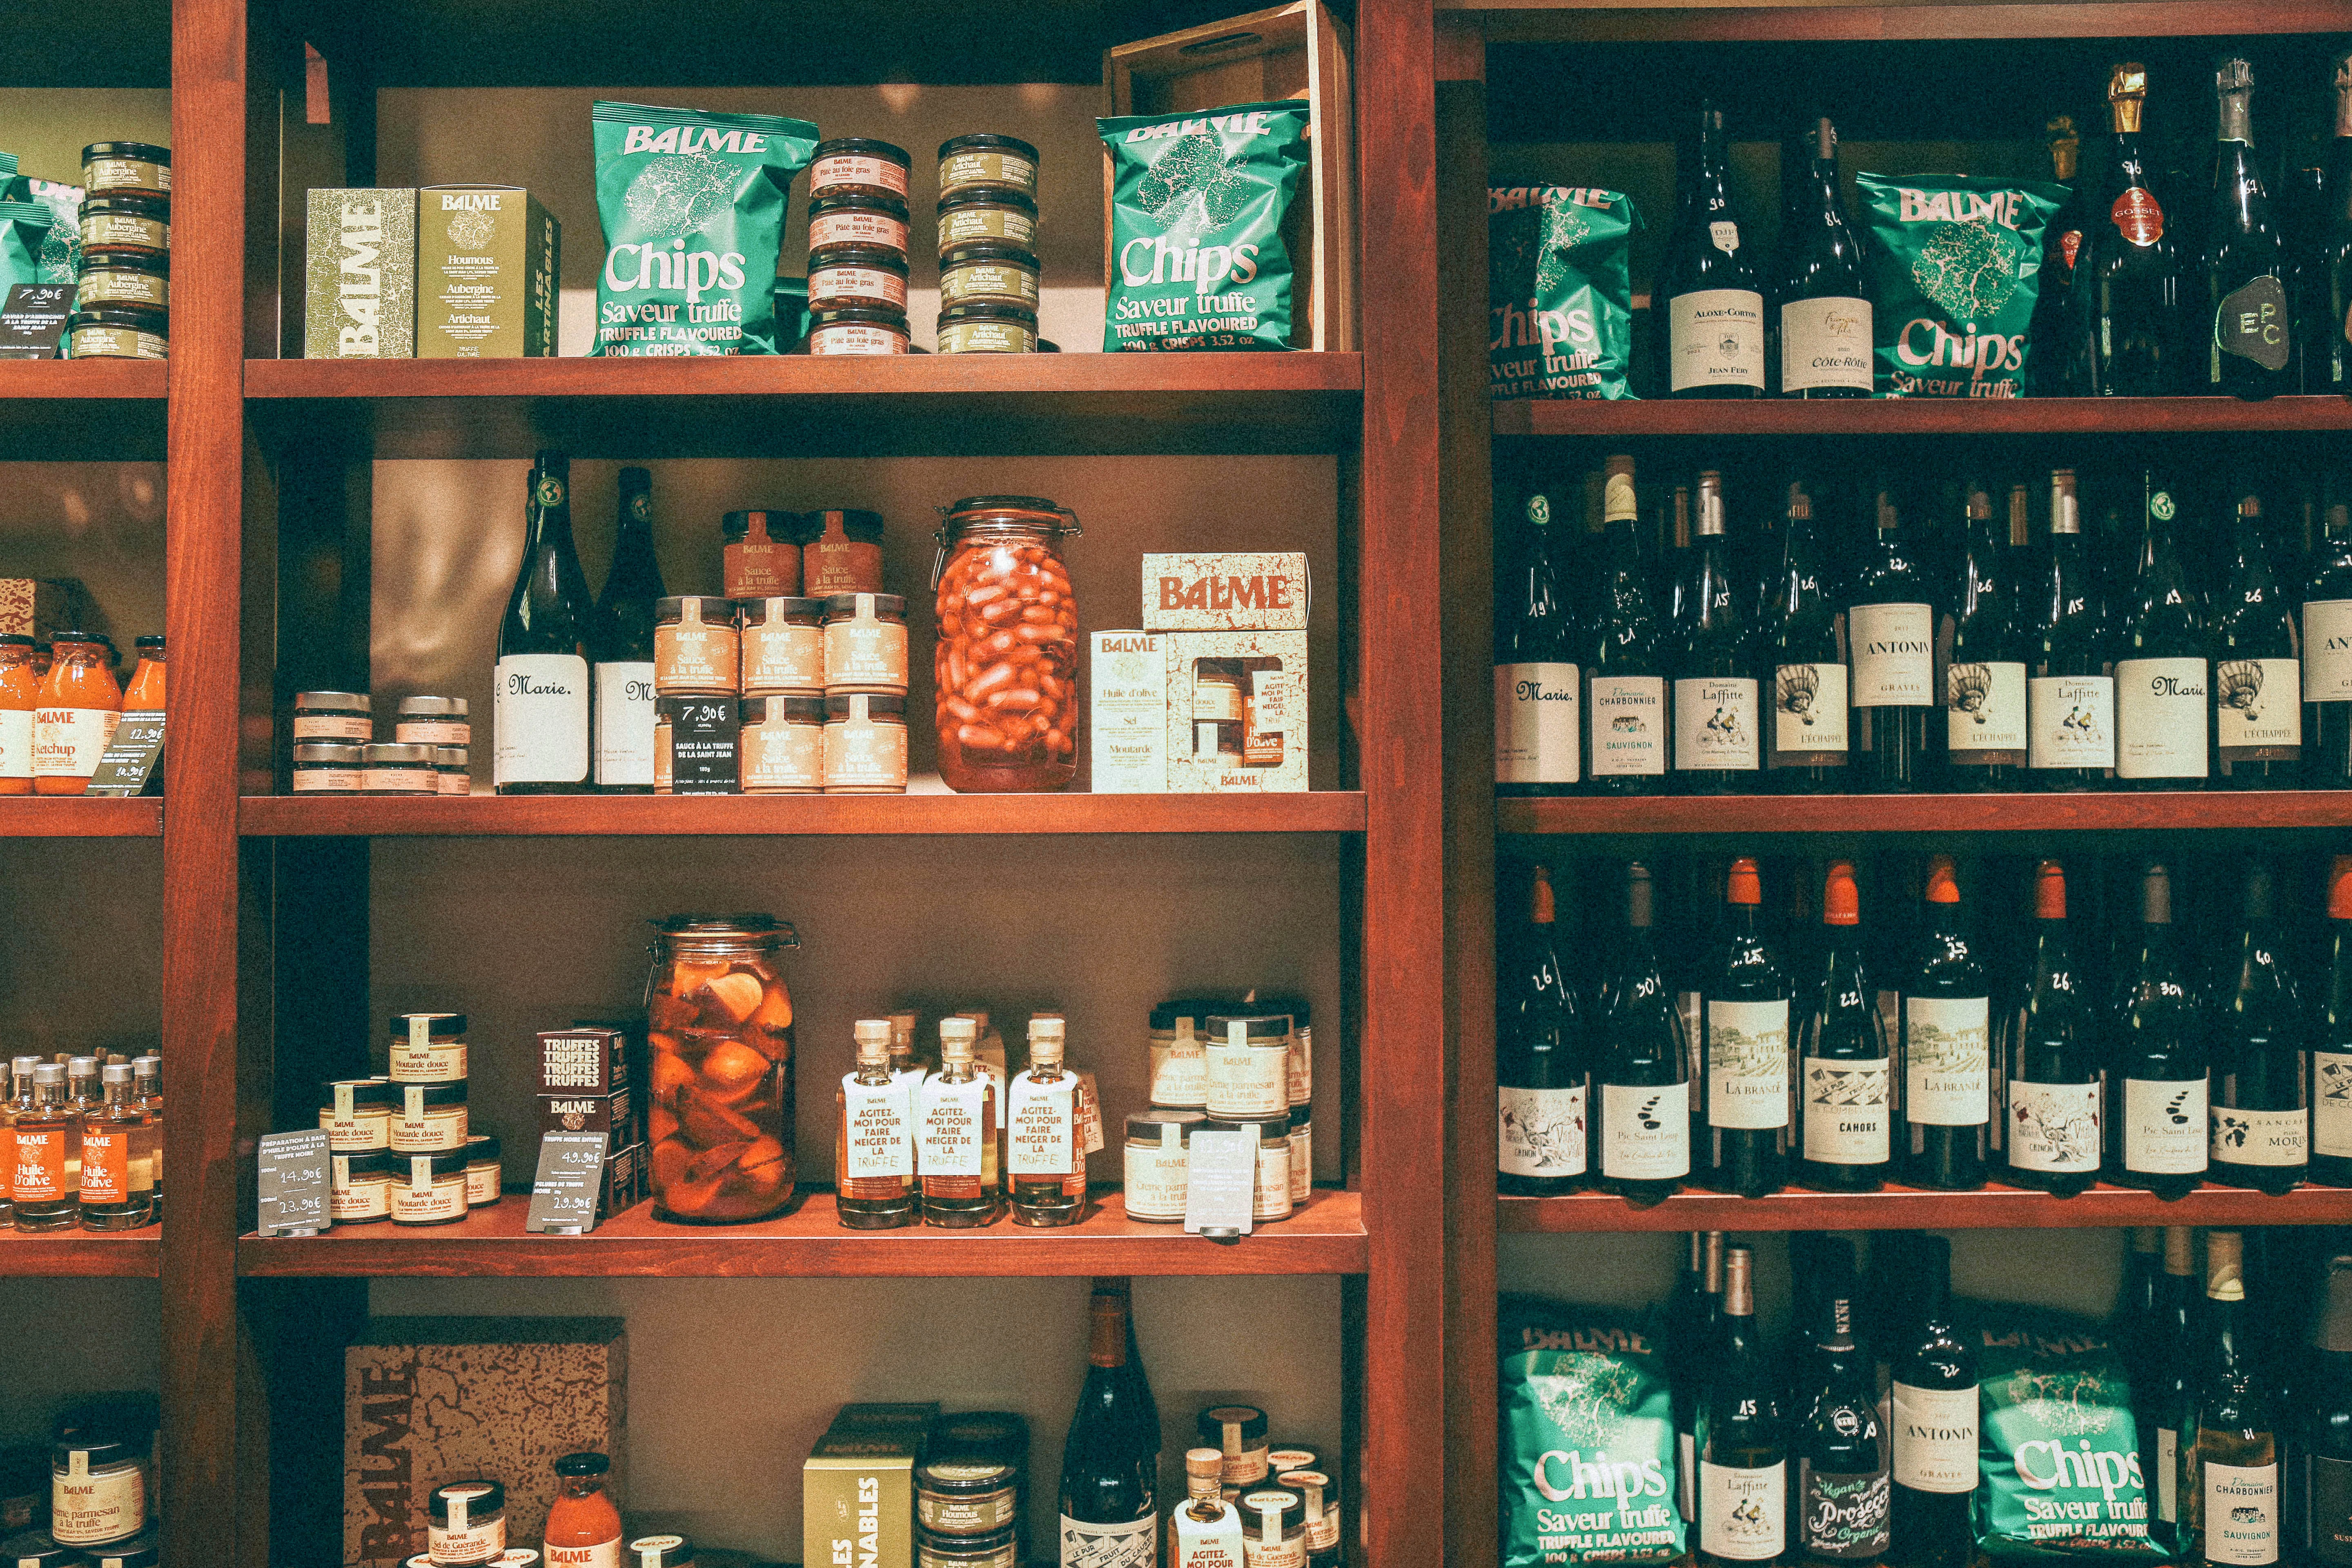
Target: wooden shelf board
86, 410
1714, 21
1326, 1237
1920, 417
484, 816
2176, 811
82, 1254
1913, 1208
80, 817
928, 403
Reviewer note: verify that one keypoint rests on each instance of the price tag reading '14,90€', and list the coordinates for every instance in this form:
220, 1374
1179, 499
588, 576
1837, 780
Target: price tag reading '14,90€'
571, 1175
293, 1183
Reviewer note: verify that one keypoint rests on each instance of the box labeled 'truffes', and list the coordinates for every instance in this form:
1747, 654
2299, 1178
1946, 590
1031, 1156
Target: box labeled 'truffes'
487, 265
359, 275
1226, 591
582, 1060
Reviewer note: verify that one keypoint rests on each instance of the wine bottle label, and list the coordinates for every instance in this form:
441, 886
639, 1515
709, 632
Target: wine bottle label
2259, 1137
1934, 1438
954, 1115
1747, 1064
1716, 338
2331, 1104
2241, 1513
2164, 1126
624, 723
2251, 323
542, 719
1809, 708
1646, 1131
1130, 1543
1894, 654
2137, 218
1687, 1473
1984, 706
1538, 728
1743, 1514
1541, 1130
1041, 1129
2054, 1126
1723, 234
2257, 706
1825, 342
1946, 1064
1843, 1514
2328, 1485
1629, 725
2328, 650
878, 1129
1715, 724
17, 743
1845, 1111
2160, 719
2071, 721
2168, 1474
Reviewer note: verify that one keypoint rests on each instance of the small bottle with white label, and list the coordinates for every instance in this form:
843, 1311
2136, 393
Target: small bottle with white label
873, 1146
1206, 1532
956, 1156
583, 1527
1044, 1148
2233, 1495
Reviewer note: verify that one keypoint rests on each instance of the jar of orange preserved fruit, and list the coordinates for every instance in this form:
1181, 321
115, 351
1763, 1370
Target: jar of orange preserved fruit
1007, 660
721, 1037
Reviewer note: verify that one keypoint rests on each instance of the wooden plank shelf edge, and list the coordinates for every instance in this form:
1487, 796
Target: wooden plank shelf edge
1550, 21
1326, 1236
2169, 810
490, 815
82, 1254
1630, 418
1916, 1208
80, 817
118, 379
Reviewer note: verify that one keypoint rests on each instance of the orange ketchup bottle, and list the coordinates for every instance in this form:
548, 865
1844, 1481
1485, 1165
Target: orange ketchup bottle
145, 692
20, 688
583, 1528
78, 708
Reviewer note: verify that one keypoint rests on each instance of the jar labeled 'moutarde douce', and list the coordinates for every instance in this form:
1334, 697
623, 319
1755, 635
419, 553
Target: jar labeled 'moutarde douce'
1007, 656
721, 1044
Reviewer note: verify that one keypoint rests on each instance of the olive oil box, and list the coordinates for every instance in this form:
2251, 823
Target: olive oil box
857, 1488
488, 260
360, 273
1126, 721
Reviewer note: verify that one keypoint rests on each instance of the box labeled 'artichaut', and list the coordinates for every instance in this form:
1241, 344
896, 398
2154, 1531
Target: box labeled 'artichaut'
488, 261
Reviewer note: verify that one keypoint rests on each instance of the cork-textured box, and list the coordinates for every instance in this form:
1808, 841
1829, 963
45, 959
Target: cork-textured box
1282, 707
1226, 591
487, 265
359, 275
429, 1399
33, 607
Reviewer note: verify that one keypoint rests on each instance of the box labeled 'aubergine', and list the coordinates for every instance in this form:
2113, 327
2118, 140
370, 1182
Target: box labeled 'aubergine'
1226, 591
360, 274
429, 1400
487, 265
1236, 712
857, 1490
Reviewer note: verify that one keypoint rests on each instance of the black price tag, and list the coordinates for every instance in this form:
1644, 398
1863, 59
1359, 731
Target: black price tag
33, 319
133, 762
294, 1182
571, 1178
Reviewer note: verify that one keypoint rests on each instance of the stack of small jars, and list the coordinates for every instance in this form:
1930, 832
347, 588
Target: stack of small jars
99, 1508
122, 295
1221, 1067
1284, 1499
858, 248
401, 1146
336, 751
988, 246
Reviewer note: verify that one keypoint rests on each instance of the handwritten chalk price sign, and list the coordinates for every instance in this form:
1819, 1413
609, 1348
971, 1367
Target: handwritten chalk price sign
571, 1177
293, 1186
1221, 1184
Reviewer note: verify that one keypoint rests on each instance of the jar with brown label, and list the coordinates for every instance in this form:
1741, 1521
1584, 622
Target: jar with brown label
999, 1550
359, 1187
118, 332
333, 716
113, 168
759, 553
858, 220
1322, 1499
485, 1170
395, 769
330, 767
853, 275
858, 332
433, 722
864, 743
783, 646
955, 1495
696, 650
988, 330
1248, 1064
128, 220
987, 215
429, 1118
466, 1521
858, 166
357, 1114
1274, 1528
132, 278
450, 775
1238, 1432
988, 274
985, 162
1159, 1163
97, 1490
784, 745
428, 1189
865, 643
429, 1047
843, 552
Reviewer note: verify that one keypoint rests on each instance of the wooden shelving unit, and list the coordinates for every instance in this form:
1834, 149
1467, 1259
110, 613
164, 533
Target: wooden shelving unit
2169, 811
81, 1254
80, 817
1894, 1208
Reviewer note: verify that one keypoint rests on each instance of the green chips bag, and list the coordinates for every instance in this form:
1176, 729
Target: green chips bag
1954, 265
24, 231
693, 208
2062, 1473
1587, 1447
1197, 258
1561, 303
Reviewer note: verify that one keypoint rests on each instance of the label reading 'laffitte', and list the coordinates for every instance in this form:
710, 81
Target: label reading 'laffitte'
1934, 1438
1845, 1111
2258, 1137
2073, 721
2164, 1126
2328, 650
1894, 654
1747, 1064
1809, 708
1984, 708
1743, 1514
1946, 1061
1646, 1131
2241, 1513
1538, 732
1629, 725
2160, 719
1715, 724
1718, 338
542, 717
2054, 1126
1542, 1131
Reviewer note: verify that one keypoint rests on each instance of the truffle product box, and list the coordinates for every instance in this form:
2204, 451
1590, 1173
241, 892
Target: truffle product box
583, 1059
857, 1488
429, 1399
486, 268
611, 1115
1271, 671
1226, 591
360, 270
1127, 717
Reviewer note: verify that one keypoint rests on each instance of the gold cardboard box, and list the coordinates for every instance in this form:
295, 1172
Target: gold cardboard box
487, 269
32, 607
857, 1488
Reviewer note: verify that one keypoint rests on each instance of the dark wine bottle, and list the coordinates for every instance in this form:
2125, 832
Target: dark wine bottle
2159, 1113
2233, 1466
2128, 283
1743, 1440
540, 702
2331, 1053
2327, 651
2179, 1352
1537, 683
1946, 1013
1707, 283
2261, 1107
1540, 1072
1824, 314
2257, 666
2323, 301
1691, 1347
2161, 669
2245, 306
1744, 1020
1110, 1480
1842, 1485
1891, 631
1625, 711
2070, 692
1984, 678
2050, 1130
1644, 1076
621, 643
1933, 1423
2322, 1428
2059, 359
1806, 750
1845, 1142
1716, 749
2139, 1303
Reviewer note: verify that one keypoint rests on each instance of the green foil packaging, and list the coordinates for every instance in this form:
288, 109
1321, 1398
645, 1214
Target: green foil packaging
693, 207
1197, 260
359, 260
2060, 1471
1954, 265
1588, 1439
1559, 301
24, 229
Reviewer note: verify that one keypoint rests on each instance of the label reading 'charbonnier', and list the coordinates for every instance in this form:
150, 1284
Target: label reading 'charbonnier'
2241, 1513
1628, 718
1946, 1060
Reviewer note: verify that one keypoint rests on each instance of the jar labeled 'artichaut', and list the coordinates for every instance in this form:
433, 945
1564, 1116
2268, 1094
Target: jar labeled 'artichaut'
783, 646
988, 274
985, 162
864, 743
849, 275
988, 330
858, 220
858, 166
697, 651
865, 643
722, 1045
1007, 656
986, 217
759, 553
784, 745
865, 331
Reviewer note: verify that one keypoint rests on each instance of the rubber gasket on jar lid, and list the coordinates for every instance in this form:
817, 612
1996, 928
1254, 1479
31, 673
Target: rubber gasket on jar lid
987, 328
